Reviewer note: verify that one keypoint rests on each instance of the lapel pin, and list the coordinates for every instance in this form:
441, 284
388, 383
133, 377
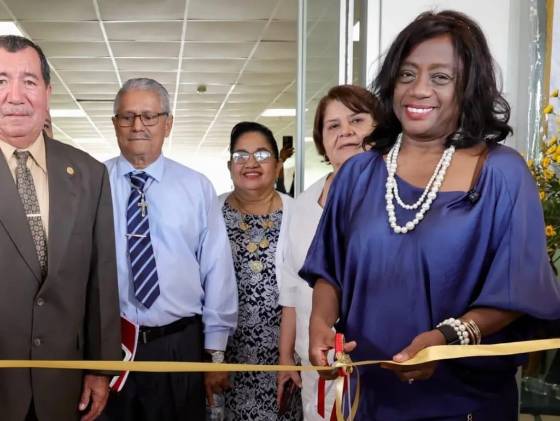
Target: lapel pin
70, 170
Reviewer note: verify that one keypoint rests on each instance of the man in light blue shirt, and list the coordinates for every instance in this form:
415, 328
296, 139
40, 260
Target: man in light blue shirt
175, 270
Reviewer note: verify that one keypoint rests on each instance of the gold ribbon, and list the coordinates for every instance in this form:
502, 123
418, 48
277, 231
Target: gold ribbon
434, 353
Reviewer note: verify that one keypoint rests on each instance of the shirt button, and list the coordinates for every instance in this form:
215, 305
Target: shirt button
40, 301
37, 341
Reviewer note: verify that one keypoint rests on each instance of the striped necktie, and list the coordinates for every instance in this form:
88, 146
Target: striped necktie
140, 251
28, 195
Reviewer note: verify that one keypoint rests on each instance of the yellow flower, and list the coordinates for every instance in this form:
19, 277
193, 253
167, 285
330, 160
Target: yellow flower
557, 158
549, 231
546, 162
548, 109
551, 150
548, 174
552, 141
541, 195
554, 93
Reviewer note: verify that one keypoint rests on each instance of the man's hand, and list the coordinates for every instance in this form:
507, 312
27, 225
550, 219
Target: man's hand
96, 390
286, 153
215, 382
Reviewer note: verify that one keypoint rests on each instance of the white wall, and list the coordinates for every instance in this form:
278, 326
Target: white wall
555, 64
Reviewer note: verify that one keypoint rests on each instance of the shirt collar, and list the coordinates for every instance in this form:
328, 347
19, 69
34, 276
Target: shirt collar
154, 170
36, 149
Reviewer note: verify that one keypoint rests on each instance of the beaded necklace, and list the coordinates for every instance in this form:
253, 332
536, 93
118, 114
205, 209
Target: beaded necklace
426, 198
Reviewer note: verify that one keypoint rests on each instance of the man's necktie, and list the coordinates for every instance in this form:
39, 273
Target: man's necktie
26, 190
140, 251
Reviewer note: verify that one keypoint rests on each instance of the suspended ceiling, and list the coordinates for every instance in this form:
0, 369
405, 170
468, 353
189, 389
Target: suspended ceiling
243, 51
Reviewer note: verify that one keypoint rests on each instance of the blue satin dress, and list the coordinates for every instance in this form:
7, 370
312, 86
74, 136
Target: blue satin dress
490, 253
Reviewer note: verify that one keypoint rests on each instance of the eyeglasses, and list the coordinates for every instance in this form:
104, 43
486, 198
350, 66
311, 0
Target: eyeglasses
241, 157
147, 119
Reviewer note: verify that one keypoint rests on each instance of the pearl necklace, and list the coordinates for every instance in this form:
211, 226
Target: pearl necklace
426, 198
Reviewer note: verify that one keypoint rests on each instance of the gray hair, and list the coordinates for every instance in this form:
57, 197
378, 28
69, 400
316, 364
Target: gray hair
144, 84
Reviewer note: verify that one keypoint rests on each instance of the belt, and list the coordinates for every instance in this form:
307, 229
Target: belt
150, 333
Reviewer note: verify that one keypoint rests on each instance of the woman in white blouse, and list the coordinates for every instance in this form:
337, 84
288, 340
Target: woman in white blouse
344, 117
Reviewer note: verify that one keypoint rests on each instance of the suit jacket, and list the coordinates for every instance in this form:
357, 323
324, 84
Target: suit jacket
73, 313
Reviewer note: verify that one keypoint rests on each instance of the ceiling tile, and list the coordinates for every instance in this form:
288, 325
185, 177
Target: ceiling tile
100, 89
145, 49
231, 10
272, 89
75, 76
224, 31
165, 78
218, 78
213, 65
63, 31
142, 9
74, 49
99, 64
276, 50
144, 31
281, 31
51, 10
159, 64
288, 9
259, 79
190, 88
273, 65
217, 50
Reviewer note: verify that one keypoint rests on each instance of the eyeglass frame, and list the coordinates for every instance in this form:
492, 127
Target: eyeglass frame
252, 154
140, 115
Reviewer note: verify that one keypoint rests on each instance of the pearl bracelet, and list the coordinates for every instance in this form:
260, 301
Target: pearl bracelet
460, 329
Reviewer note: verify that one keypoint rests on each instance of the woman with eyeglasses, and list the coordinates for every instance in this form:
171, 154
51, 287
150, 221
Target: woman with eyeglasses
255, 216
343, 119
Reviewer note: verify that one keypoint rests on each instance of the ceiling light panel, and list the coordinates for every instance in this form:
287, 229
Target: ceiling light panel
9, 28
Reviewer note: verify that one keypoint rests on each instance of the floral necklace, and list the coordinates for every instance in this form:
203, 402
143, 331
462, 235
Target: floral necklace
256, 240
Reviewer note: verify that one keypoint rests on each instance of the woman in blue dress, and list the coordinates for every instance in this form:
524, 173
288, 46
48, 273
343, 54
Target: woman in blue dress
436, 236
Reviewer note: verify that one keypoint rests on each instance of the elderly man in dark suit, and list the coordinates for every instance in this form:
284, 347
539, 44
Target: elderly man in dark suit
58, 280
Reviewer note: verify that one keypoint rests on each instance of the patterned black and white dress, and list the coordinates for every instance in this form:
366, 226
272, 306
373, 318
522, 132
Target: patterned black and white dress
253, 395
